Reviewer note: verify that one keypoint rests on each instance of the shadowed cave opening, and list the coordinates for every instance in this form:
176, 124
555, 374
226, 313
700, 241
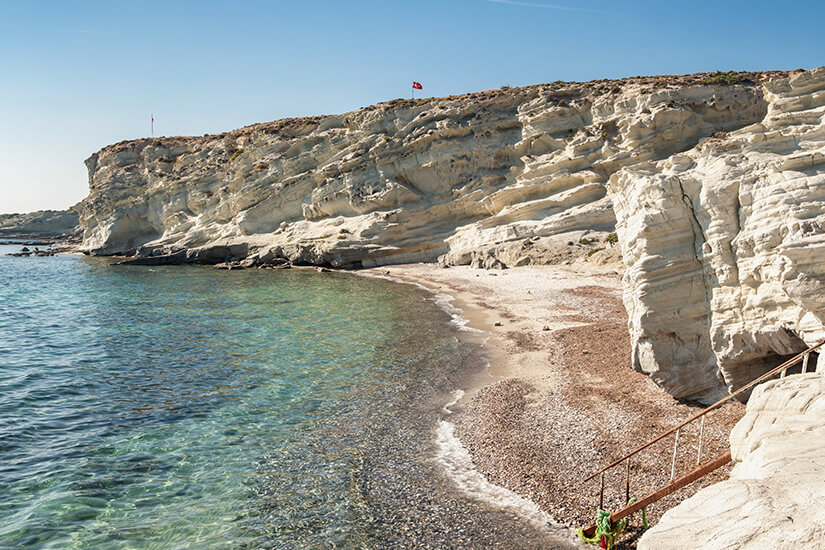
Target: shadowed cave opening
755, 367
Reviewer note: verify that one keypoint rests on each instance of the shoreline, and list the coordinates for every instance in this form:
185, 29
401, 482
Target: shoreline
560, 398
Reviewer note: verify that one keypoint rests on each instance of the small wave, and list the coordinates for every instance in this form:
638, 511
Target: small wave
456, 462
441, 300
444, 301
457, 395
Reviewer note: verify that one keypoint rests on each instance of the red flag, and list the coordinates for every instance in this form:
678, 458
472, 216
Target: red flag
417, 85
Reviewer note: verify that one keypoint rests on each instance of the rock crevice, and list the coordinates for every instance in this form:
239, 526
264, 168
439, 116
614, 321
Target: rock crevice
752, 194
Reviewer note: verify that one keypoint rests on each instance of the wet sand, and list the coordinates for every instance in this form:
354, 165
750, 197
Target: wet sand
561, 398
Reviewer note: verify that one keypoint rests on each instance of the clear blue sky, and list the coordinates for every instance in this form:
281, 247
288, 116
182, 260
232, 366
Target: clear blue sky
76, 76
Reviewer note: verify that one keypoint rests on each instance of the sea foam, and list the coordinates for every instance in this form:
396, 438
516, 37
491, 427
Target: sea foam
455, 460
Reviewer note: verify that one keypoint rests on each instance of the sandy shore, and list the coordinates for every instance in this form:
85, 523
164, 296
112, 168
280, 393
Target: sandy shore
562, 399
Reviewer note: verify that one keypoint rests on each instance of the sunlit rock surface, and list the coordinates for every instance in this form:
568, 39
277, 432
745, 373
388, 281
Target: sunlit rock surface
725, 249
43, 224
461, 178
715, 190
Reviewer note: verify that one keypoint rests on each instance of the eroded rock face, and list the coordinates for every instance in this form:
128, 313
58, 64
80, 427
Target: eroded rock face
494, 179
724, 247
773, 496
715, 191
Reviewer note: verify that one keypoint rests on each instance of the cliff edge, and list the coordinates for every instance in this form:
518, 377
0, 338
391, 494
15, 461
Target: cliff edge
712, 182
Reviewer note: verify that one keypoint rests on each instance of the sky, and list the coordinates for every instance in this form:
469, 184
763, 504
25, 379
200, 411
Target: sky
76, 76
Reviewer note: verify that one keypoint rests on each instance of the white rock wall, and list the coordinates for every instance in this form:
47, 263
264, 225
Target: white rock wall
725, 249
405, 181
715, 191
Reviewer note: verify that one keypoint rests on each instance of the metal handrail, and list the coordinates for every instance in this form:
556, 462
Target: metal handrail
803, 356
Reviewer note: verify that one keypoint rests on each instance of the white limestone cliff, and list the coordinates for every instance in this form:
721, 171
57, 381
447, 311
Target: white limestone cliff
774, 494
715, 190
724, 247
406, 180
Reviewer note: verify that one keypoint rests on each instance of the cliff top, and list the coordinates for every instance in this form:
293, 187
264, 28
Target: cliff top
293, 127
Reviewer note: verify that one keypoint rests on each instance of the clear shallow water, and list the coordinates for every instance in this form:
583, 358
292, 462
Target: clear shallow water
186, 407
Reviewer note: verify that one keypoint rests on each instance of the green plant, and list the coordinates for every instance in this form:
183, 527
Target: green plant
729, 77
505, 87
608, 532
236, 154
593, 251
612, 238
585, 240
343, 230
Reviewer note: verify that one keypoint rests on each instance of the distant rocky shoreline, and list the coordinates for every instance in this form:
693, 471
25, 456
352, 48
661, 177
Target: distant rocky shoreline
40, 228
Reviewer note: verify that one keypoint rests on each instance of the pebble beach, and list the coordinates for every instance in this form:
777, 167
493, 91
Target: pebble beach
561, 398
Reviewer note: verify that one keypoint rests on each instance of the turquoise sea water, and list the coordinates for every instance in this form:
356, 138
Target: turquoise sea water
187, 407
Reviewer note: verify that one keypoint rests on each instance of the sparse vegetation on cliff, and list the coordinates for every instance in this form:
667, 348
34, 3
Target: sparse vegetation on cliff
729, 77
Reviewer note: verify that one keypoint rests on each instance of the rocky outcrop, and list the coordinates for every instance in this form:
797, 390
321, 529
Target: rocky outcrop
43, 224
724, 247
496, 178
713, 183
774, 494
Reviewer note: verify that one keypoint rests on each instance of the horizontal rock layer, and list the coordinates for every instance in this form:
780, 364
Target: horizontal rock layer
714, 189
406, 180
724, 247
